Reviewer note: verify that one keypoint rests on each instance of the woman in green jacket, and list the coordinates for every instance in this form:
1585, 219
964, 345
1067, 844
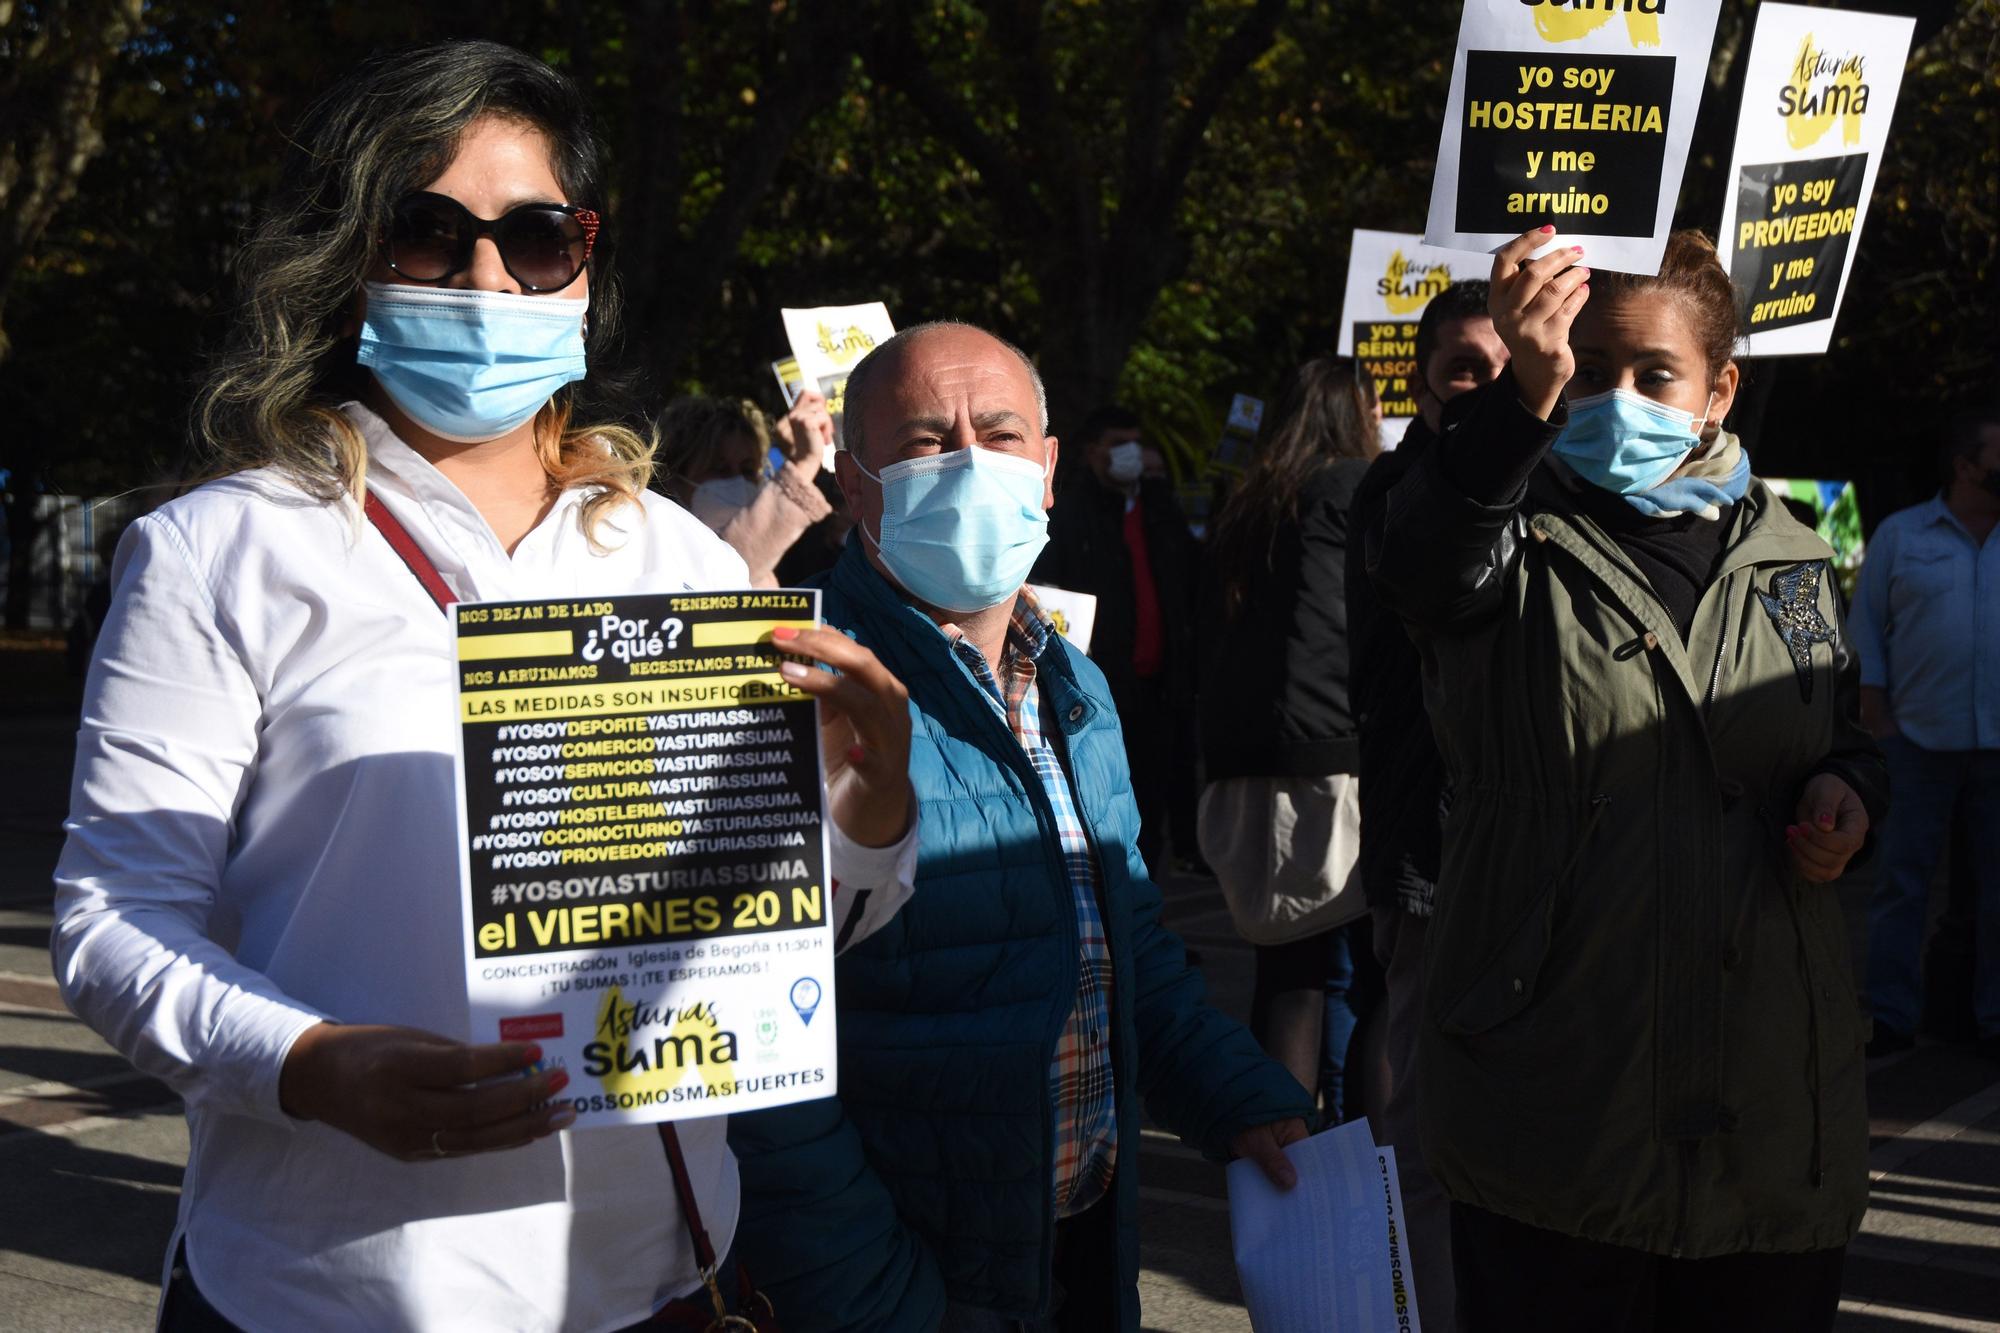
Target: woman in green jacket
1643, 1053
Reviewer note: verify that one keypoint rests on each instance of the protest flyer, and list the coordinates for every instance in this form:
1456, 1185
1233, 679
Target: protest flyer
791, 380
1239, 434
1074, 614
1318, 1258
1819, 90
828, 341
1391, 277
1575, 114
644, 850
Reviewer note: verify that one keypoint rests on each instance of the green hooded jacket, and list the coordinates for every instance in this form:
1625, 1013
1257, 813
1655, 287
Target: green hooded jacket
1641, 1023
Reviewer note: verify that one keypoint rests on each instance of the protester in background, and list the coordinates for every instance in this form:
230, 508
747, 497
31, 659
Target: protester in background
1184, 754
1641, 1066
818, 550
1403, 798
1120, 536
1927, 627
715, 461
1280, 817
259, 899
980, 1165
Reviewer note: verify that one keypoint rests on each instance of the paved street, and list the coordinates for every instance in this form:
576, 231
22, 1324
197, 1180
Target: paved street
91, 1152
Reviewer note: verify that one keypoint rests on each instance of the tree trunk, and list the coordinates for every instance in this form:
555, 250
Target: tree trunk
50, 88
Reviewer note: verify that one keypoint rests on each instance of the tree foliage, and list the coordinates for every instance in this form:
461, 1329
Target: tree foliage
1153, 196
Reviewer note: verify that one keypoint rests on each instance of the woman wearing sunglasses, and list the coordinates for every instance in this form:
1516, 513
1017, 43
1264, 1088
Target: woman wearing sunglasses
258, 902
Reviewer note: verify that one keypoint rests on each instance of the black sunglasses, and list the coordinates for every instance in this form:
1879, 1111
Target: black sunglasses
545, 246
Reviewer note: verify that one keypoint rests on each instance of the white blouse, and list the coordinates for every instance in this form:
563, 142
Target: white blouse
262, 834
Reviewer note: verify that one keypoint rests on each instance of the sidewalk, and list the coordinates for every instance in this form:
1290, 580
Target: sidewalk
92, 1151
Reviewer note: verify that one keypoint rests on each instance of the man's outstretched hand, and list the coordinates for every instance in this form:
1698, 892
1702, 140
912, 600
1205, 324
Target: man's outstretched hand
1265, 1145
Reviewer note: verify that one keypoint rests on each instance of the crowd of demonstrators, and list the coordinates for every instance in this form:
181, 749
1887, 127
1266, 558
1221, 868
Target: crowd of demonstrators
1927, 627
1555, 692
715, 459
1642, 1079
1404, 796
978, 1169
1280, 817
258, 899
1117, 533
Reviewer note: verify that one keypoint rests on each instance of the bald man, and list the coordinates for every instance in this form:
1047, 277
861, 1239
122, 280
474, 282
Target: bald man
979, 1169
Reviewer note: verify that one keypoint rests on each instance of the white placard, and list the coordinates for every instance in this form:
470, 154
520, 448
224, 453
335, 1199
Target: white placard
1817, 99
1391, 277
828, 340
643, 850
827, 343
1327, 1255
1074, 614
1576, 115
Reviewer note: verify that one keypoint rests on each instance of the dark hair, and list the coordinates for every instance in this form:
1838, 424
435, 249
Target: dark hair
1693, 275
1962, 437
387, 128
692, 432
1101, 419
1322, 414
1461, 300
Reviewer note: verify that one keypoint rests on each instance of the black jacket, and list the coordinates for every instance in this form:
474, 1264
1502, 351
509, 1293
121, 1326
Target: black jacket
1403, 797
1274, 698
1087, 553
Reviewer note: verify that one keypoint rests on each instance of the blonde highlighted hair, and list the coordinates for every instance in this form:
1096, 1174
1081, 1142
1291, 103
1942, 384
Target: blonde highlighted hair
271, 396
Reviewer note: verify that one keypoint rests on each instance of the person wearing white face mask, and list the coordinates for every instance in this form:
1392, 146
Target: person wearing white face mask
259, 899
978, 1170
1640, 1053
714, 460
1119, 535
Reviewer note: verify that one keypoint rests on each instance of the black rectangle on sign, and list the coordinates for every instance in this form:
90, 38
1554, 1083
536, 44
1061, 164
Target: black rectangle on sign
1582, 145
1794, 221
1387, 350
637, 772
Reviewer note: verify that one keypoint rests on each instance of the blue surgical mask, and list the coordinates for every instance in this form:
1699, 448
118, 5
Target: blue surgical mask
961, 530
1625, 442
470, 366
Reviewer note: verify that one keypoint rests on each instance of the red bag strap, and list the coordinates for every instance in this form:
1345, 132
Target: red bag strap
405, 545
704, 1248
427, 574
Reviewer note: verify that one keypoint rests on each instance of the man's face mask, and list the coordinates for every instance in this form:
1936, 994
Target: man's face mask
961, 530
1125, 463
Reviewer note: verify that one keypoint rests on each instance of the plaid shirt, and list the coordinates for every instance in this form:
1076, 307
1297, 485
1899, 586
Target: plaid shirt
1080, 1079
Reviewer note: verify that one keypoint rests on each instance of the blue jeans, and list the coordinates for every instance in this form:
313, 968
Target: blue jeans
1924, 788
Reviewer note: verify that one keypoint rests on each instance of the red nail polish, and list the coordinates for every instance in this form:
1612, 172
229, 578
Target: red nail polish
559, 1082
1576, 249
1546, 228
784, 633
534, 1054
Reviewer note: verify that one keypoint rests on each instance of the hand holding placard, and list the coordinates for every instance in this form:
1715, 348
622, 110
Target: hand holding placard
1534, 301
864, 727
415, 1095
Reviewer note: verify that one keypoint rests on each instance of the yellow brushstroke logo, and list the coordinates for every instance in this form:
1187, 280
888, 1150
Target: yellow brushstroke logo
845, 346
1823, 88
1406, 288
1571, 20
645, 1049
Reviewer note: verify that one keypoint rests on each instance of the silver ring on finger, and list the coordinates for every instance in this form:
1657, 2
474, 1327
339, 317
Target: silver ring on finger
437, 1149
